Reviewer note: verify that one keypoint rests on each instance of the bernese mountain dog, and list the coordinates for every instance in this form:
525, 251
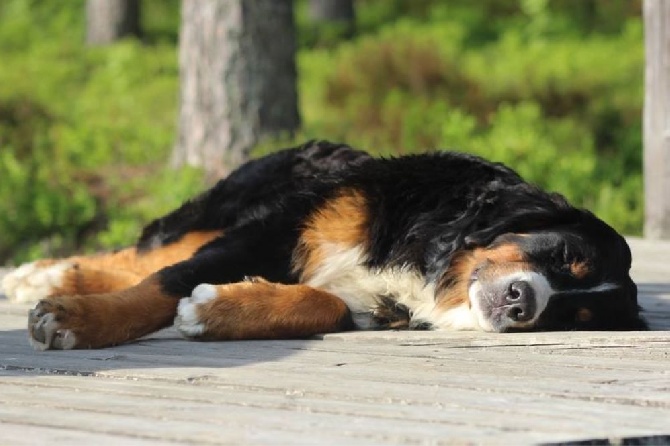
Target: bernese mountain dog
324, 238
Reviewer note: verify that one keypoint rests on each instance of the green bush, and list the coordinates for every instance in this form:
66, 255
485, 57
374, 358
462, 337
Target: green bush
544, 106
85, 134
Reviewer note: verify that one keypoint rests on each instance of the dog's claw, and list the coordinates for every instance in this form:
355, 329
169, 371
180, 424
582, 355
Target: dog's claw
45, 331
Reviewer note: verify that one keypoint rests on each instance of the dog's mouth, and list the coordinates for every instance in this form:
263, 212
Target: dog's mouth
510, 302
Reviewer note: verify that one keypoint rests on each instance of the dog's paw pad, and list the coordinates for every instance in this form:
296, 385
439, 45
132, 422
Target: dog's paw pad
188, 320
33, 281
46, 331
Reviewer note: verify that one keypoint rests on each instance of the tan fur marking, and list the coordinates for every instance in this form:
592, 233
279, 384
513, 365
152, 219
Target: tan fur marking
263, 310
100, 320
579, 269
584, 315
503, 258
501, 254
150, 261
81, 280
456, 293
107, 272
341, 222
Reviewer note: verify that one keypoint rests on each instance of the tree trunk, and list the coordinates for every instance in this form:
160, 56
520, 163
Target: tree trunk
110, 20
657, 119
238, 79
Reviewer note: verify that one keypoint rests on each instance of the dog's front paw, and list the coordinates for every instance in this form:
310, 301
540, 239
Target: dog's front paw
189, 319
33, 281
50, 326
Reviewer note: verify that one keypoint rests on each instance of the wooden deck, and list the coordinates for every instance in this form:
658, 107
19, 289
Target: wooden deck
354, 388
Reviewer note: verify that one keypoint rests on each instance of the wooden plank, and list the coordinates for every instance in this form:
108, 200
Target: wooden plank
195, 404
566, 378
650, 261
349, 388
365, 396
30, 435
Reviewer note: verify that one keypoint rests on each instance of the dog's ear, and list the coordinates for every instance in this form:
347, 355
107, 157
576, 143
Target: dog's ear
499, 210
519, 209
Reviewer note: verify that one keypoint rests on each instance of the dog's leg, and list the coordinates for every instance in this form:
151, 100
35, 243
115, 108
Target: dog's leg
245, 310
99, 273
260, 310
82, 280
100, 320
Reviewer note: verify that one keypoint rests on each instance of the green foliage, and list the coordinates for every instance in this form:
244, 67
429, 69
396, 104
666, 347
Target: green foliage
562, 109
552, 88
75, 123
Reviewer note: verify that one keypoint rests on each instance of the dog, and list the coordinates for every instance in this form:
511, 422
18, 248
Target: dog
324, 238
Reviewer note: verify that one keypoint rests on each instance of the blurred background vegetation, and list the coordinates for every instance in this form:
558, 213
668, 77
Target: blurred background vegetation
552, 88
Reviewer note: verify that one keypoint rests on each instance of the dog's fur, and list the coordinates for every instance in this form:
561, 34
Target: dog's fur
324, 238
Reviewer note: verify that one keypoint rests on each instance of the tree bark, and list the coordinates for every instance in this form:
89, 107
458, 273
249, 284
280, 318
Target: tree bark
657, 119
238, 79
110, 20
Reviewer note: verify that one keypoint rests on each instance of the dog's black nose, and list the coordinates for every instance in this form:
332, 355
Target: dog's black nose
521, 301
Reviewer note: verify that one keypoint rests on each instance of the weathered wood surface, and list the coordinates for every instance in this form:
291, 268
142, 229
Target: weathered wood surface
657, 119
354, 388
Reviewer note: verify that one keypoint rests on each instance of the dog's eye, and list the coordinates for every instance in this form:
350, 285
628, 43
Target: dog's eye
564, 267
569, 263
561, 261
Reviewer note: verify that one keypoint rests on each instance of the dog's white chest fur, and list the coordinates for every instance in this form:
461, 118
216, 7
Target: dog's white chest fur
344, 275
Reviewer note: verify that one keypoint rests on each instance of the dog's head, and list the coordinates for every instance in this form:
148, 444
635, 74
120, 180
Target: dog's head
538, 272
561, 279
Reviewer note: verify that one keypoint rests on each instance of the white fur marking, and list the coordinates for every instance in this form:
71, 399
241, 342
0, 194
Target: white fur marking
344, 275
543, 292
457, 318
187, 320
606, 286
476, 309
30, 282
539, 283
203, 293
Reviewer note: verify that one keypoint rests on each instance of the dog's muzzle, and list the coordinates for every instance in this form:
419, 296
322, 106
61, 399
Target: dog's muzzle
508, 302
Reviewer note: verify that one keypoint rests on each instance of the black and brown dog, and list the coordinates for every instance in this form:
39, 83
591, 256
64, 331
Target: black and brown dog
324, 238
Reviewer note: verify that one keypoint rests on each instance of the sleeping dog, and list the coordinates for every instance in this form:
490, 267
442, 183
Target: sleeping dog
324, 238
